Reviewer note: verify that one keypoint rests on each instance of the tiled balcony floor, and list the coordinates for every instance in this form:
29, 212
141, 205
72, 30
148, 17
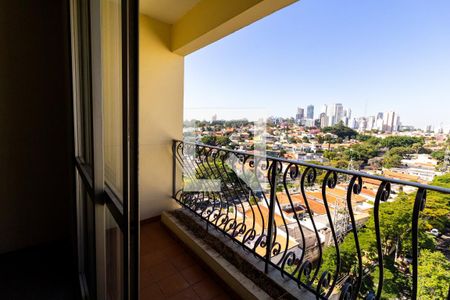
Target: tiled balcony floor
169, 272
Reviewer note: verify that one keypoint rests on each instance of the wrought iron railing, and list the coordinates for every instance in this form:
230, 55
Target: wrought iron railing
288, 213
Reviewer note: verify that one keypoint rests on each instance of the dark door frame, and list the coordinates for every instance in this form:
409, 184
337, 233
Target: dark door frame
86, 86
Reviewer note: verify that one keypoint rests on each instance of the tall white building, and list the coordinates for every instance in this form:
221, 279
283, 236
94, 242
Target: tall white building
379, 122
331, 115
339, 112
391, 121
335, 113
371, 123
362, 124
324, 121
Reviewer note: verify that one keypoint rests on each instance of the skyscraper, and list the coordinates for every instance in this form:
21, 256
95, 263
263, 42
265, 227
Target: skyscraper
371, 124
339, 112
390, 121
331, 115
324, 122
300, 114
310, 112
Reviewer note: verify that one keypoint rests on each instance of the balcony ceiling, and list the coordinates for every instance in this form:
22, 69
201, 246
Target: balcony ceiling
167, 11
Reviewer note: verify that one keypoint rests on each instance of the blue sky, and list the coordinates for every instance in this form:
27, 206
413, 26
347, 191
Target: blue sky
369, 55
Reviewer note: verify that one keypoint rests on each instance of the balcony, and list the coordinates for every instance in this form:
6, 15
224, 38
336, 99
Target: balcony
286, 224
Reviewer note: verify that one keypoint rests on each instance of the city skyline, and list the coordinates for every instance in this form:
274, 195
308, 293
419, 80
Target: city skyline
371, 56
301, 114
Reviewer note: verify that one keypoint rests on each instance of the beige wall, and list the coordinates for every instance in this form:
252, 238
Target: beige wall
161, 77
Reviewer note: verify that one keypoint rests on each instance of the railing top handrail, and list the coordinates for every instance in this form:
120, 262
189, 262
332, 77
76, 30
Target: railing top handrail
327, 168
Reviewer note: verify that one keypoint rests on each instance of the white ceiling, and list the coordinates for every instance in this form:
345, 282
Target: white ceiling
167, 11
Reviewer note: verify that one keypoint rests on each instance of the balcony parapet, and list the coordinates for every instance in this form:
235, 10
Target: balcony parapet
289, 214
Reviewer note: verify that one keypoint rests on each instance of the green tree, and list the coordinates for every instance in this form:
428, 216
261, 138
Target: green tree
434, 275
208, 140
341, 131
437, 210
438, 155
392, 161
362, 151
401, 141
222, 141
215, 140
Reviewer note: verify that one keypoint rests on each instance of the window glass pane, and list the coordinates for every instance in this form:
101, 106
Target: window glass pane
112, 92
82, 87
114, 259
86, 235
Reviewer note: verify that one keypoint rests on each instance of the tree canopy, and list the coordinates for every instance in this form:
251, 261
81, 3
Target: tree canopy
215, 140
341, 131
395, 229
401, 141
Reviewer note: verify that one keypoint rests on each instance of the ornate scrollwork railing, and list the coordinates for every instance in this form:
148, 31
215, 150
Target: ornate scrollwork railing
289, 213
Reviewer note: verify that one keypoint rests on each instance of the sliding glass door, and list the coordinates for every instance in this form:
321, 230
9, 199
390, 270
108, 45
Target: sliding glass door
105, 61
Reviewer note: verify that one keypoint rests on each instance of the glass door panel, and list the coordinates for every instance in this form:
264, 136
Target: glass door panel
114, 259
111, 37
104, 46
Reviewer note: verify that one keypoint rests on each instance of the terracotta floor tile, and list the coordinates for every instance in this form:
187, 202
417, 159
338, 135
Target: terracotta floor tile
173, 285
193, 274
152, 292
182, 261
154, 258
169, 272
187, 294
224, 296
158, 241
157, 245
146, 279
161, 271
207, 289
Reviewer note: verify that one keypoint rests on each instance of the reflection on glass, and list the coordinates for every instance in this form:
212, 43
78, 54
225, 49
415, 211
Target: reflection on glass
114, 259
86, 234
112, 92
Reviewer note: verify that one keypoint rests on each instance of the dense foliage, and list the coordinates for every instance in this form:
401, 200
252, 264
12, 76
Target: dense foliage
395, 229
401, 141
341, 131
215, 140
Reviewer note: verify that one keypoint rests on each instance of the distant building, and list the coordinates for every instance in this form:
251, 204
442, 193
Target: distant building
353, 124
362, 124
371, 123
310, 112
348, 113
323, 120
300, 114
335, 113
339, 113
391, 122
406, 128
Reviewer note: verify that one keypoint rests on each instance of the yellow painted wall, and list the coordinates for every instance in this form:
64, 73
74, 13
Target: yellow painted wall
205, 16
161, 78
211, 20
